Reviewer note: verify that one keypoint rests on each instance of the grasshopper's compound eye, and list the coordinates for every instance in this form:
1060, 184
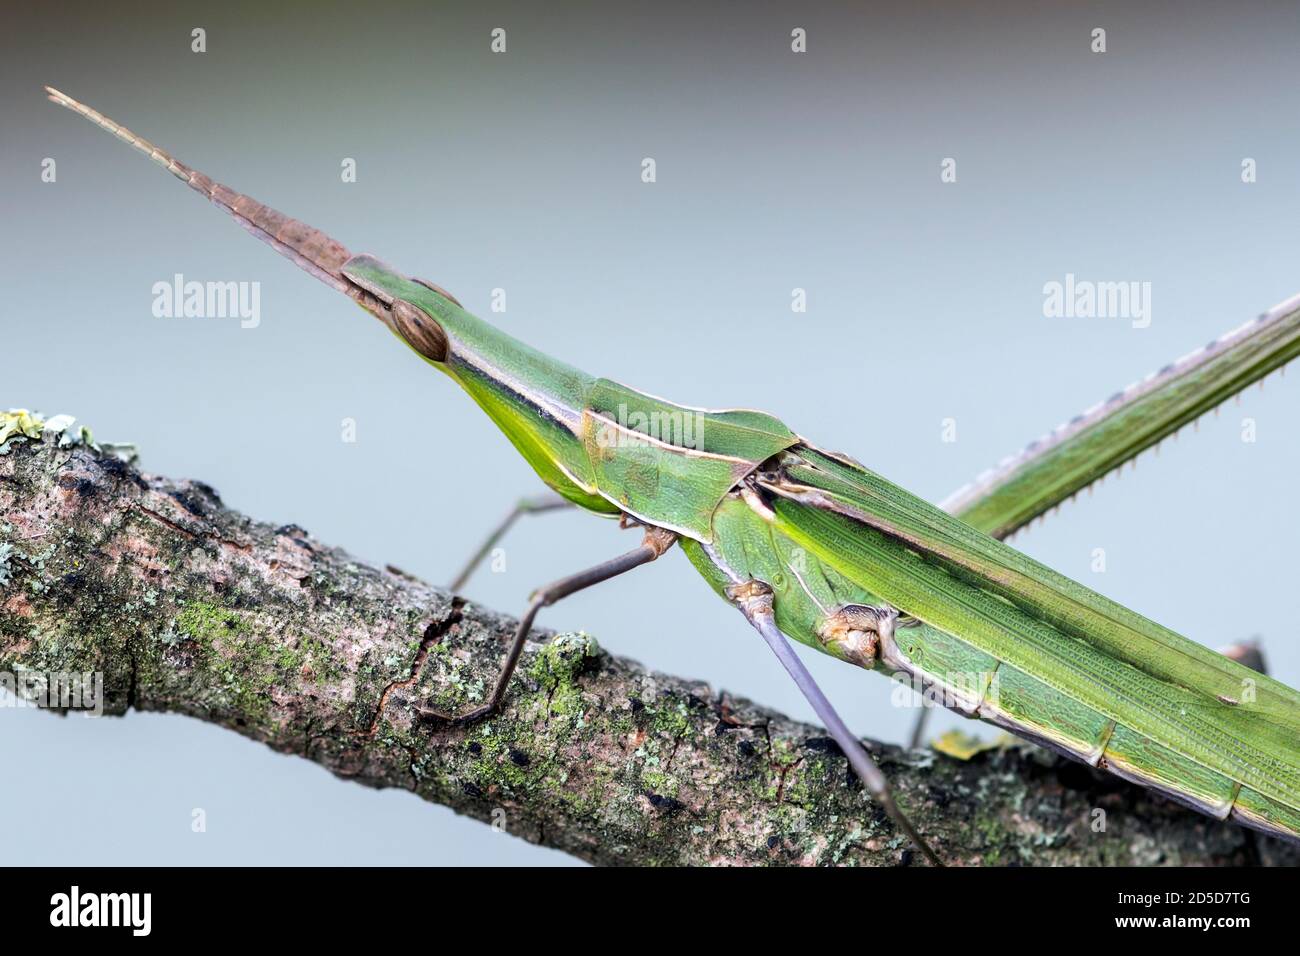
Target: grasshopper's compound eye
420, 330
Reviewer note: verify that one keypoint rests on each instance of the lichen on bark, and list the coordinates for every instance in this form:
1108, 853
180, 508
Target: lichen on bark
186, 606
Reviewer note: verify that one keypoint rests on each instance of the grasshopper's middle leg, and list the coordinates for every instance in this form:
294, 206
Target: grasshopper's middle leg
755, 601
655, 543
524, 506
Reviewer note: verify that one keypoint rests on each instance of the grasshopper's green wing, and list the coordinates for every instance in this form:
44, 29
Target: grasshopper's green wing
1142, 700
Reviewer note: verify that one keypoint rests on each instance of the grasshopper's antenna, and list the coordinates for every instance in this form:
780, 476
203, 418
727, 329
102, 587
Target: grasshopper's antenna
308, 247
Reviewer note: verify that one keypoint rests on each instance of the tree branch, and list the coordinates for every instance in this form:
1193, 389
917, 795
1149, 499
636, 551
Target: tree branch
186, 606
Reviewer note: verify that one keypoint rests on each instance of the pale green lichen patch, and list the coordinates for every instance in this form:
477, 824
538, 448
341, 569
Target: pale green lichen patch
500, 761
6, 555
671, 716
556, 668
19, 424
455, 684
661, 783
563, 658
207, 623
242, 665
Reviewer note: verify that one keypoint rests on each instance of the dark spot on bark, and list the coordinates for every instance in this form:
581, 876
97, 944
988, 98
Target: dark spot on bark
519, 758
905, 858
722, 728
666, 804
120, 470
773, 842
746, 748
591, 664
822, 745
470, 789
240, 599
637, 705
209, 491
191, 502
84, 487
475, 747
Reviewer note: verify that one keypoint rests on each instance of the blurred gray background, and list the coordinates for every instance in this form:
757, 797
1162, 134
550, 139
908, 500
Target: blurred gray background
521, 171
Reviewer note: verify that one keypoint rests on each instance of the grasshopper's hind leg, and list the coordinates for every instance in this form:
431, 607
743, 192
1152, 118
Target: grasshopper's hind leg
915, 741
755, 601
656, 542
524, 506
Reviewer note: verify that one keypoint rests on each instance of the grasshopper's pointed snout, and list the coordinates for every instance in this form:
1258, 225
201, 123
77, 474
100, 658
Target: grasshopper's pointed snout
306, 246
401, 303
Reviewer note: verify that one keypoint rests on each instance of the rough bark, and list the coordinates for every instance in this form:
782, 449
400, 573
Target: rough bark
186, 606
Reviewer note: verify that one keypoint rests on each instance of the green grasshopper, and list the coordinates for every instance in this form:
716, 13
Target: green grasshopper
811, 545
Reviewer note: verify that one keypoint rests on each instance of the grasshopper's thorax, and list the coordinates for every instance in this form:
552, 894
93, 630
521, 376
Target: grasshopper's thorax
671, 465
607, 447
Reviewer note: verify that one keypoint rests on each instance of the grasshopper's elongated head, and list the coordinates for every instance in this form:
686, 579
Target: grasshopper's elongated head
537, 401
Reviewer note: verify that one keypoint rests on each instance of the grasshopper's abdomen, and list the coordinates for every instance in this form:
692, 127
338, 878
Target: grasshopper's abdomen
1229, 757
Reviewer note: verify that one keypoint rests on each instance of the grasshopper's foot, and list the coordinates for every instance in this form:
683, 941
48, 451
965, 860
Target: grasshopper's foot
657, 541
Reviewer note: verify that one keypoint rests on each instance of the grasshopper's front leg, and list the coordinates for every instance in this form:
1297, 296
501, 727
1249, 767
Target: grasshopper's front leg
655, 543
524, 506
